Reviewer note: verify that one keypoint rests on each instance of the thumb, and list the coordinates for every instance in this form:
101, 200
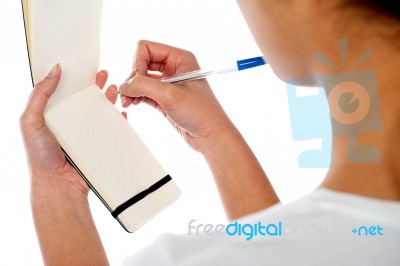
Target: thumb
143, 86
42, 92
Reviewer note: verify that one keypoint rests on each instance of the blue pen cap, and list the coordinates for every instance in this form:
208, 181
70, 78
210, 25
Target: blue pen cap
251, 62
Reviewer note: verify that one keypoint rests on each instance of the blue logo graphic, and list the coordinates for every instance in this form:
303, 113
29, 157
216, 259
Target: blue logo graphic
346, 102
309, 116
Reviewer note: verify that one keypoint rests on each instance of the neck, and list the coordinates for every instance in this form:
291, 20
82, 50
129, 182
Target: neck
373, 169
366, 155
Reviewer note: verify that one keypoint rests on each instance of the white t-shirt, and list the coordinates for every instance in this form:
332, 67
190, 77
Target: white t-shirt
323, 228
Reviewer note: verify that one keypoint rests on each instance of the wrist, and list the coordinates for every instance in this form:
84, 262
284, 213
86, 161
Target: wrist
238, 174
56, 197
64, 224
225, 137
49, 186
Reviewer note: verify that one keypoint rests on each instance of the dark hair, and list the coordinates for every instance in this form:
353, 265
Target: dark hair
389, 6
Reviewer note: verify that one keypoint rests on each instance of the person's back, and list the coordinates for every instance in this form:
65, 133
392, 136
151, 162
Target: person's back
323, 228
347, 47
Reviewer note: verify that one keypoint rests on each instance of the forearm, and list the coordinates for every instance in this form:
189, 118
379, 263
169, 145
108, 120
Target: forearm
65, 228
196, 113
243, 185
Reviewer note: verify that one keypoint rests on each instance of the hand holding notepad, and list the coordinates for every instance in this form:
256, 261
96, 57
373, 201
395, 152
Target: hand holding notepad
96, 139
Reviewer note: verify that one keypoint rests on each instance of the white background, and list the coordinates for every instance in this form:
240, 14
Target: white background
255, 100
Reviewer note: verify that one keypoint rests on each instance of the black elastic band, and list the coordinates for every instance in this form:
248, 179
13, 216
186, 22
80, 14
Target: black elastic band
140, 196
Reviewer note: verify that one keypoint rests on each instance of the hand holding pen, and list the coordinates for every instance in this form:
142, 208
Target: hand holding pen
191, 107
204, 73
196, 114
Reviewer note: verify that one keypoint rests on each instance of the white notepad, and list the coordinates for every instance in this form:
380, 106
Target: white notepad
95, 137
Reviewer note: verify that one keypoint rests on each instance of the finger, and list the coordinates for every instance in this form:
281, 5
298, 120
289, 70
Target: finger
148, 52
148, 87
155, 105
42, 92
156, 66
126, 101
111, 94
124, 114
101, 78
154, 76
151, 102
151, 75
138, 100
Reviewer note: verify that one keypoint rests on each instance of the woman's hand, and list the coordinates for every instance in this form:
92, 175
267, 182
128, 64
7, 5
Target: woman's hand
195, 112
65, 228
47, 163
191, 107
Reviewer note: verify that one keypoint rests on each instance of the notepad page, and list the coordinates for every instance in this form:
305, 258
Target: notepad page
103, 145
72, 29
114, 161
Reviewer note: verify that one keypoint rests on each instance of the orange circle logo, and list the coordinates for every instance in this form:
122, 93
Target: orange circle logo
359, 93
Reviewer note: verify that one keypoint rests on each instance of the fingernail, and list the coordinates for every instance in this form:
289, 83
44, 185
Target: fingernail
137, 101
54, 71
123, 99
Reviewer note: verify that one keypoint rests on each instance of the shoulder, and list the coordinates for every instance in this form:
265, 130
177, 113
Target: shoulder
312, 230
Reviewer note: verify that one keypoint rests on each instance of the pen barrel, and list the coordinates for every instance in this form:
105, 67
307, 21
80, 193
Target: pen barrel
199, 74
225, 69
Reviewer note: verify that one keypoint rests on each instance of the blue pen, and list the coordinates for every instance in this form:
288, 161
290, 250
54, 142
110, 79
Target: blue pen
199, 74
